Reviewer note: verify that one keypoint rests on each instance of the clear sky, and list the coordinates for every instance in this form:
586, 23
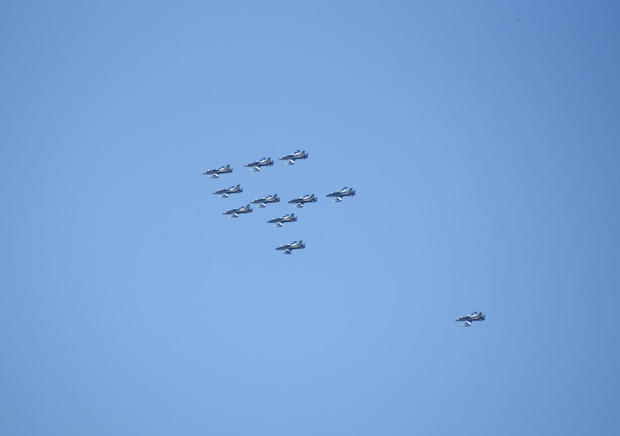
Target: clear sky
482, 138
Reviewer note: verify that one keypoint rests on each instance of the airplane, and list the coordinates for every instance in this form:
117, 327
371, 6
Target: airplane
302, 200
217, 171
344, 192
474, 316
291, 158
279, 222
256, 165
295, 245
227, 191
234, 213
262, 202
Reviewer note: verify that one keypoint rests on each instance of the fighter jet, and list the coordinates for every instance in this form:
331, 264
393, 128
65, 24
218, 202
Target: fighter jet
291, 158
279, 222
302, 200
295, 245
262, 202
234, 213
217, 171
474, 316
224, 193
344, 192
256, 165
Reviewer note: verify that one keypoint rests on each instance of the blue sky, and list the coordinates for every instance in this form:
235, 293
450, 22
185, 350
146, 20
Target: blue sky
482, 139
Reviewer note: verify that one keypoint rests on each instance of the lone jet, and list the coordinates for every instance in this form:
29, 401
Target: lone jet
215, 173
262, 202
279, 222
474, 316
295, 245
291, 158
302, 200
344, 192
234, 213
257, 164
224, 193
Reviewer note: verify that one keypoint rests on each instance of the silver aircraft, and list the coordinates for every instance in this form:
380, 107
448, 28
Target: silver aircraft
224, 193
215, 173
344, 192
257, 164
279, 222
234, 213
468, 319
291, 158
295, 245
300, 201
262, 202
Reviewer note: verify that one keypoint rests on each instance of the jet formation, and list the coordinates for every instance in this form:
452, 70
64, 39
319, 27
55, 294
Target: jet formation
262, 202
468, 319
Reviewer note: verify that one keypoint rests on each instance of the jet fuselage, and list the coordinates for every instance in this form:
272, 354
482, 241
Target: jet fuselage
295, 245
257, 165
234, 213
214, 173
344, 192
227, 191
262, 202
302, 200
